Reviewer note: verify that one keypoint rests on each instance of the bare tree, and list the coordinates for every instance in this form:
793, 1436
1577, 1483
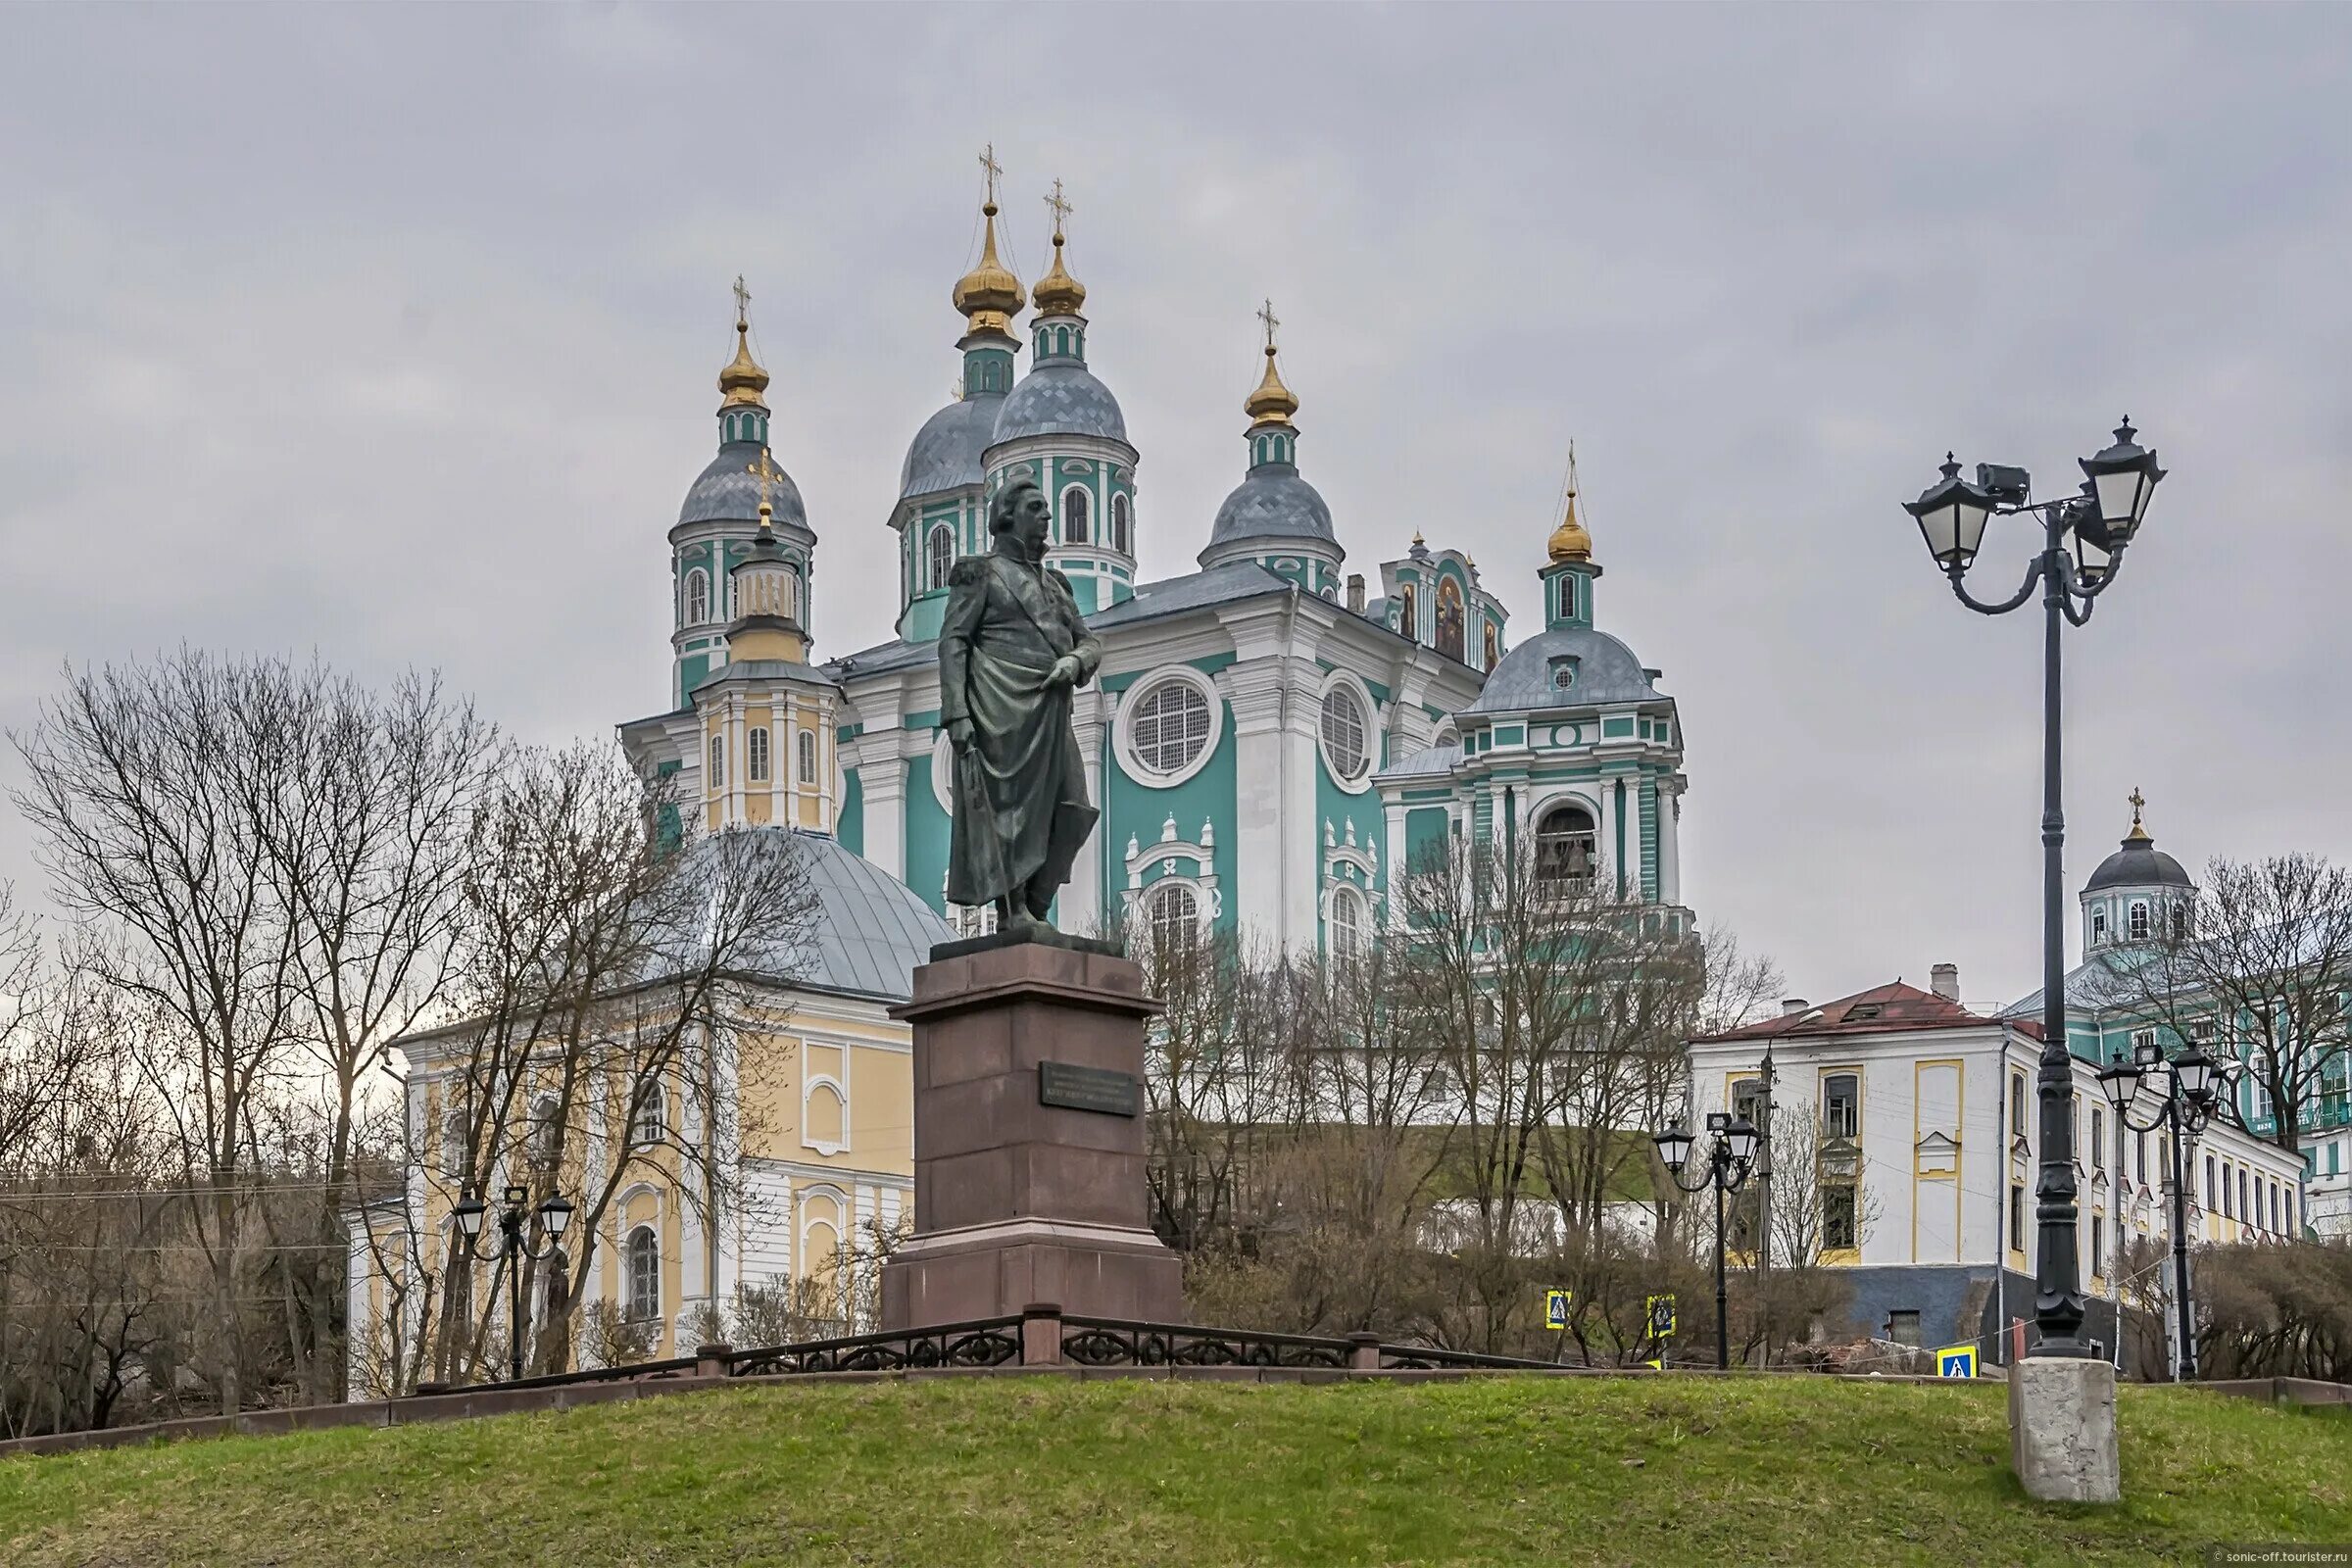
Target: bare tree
144, 787
1560, 999
2258, 968
607, 983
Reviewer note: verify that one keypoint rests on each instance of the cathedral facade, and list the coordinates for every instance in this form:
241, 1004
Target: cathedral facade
1270, 738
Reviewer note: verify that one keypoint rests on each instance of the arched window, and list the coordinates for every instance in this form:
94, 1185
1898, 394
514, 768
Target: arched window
1564, 851
645, 1275
805, 744
718, 762
698, 597
758, 756
652, 1126
1077, 517
942, 546
1173, 916
1170, 726
2098, 922
2180, 922
1118, 525
1344, 751
2137, 928
1450, 619
454, 1116
1350, 917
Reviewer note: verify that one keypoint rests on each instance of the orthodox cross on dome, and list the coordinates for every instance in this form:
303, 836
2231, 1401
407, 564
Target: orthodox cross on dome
1266, 315
1061, 209
742, 303
766, 473
2137, 800
990, 170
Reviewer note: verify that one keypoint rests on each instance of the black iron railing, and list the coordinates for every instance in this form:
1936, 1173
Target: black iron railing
1117, 1342
984, 1341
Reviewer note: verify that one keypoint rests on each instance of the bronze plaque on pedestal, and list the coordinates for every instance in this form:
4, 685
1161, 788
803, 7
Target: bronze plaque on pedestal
1075, 1088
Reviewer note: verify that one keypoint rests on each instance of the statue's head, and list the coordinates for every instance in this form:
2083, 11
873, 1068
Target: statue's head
1021, 509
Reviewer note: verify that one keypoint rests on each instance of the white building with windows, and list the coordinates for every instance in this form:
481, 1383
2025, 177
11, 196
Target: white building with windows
1909, 1127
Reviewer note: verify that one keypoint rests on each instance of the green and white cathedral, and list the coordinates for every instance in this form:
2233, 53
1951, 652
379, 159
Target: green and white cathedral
1266, 744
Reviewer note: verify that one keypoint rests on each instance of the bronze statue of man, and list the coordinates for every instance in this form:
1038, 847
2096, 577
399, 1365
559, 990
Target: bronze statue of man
1012, 653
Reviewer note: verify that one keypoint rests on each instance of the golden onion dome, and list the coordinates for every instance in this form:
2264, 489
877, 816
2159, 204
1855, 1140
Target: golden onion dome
742, 380
989, 296
1569, 541
1058, 293
1272, 402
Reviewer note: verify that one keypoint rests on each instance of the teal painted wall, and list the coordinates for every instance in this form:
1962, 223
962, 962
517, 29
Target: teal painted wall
927, 829
848, 820
1137, 808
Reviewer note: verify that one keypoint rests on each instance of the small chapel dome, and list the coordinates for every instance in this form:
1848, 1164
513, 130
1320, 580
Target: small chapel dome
1271, 400
1060, 397
2138, 863
1057, 292
1273, 502
726, 491
946, 452
1598, 669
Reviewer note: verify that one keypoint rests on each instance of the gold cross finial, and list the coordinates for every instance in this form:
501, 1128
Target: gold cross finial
2137, 800
742, 303
1061, 209
766, 473
1571, 466
991, 168
1266, 315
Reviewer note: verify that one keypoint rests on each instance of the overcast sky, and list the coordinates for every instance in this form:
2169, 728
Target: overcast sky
390, 332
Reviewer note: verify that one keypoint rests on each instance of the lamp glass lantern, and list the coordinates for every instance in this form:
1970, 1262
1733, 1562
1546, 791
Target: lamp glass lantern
2194, 1069
2123, 477
1674, 1149
1951, 515
1741, 1139
469, 1212
2094, 548
2121, 1081
554, 1214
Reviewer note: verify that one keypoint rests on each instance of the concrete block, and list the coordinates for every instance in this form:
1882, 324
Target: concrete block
2063, 1439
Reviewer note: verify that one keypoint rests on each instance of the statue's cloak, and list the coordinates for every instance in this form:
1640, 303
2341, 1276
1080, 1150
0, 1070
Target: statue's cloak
1020, 789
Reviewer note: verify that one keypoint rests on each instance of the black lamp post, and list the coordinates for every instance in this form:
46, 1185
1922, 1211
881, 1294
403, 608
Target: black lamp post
1730, 1156
2083, 537
554, 1214
2185, 1107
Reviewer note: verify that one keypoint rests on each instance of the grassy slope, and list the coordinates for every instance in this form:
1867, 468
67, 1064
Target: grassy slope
952, 1473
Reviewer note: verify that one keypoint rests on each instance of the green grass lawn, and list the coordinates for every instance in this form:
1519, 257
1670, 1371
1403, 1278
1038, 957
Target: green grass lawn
947, 1473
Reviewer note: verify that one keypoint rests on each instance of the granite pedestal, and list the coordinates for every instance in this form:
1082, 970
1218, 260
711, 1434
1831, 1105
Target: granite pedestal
2062, 1429
1029, 1150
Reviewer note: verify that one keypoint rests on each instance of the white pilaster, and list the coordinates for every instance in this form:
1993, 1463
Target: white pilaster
1254, 693
1082, 898
882, 776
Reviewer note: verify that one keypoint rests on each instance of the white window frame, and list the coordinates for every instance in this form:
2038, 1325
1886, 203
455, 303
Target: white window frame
698, 586
1124, 730
1369, 711
652, 1119
715, 763
803, 745
629, 1275
757, 768
939, 543
1086, 500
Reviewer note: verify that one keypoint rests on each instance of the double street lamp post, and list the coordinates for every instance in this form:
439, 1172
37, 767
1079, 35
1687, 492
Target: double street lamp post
554, 1214
2084, 538
1731, 1158
2185, 1107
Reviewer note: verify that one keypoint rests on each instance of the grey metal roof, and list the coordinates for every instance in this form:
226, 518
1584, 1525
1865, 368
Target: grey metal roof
2103, 980
946, 451
2139, 863
1606, 671
868, 930
1436, 760
1272, 503
1060, 397
1195, 590
726, 492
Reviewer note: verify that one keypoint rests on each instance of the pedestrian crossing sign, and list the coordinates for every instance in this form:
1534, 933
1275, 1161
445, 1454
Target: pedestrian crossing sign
1956, 1361
1555, 1309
